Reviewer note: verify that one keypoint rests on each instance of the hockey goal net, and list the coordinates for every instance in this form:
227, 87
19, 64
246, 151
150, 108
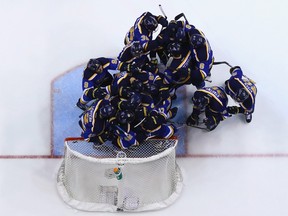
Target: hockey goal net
109, 179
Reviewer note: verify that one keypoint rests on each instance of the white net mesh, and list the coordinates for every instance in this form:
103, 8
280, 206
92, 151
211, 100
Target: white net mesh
107, 179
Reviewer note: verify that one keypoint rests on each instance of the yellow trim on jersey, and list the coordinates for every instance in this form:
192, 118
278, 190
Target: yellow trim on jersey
95, 113
185, 59
123, 77
154, 129
106, 65
92, 77
139, 26
219, 101
246, 89
203, 74
100, 138
170, 134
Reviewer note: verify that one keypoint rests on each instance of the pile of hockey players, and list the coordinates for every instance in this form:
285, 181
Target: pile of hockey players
135, 103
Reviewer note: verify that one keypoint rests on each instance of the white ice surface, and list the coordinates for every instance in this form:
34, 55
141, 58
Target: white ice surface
41, 40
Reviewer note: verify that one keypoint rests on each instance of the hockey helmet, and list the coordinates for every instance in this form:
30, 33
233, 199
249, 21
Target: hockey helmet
164, 94
125, 116
172, 28
197, 40
131, 103
151, 88
234, 69
174, 49
150, 23
180, 34
201, 102
95, 65
134, 101
107, 111
137, 85
241, 95
136, 48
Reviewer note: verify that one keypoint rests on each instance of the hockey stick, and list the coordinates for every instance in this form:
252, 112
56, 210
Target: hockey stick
224, 62
161, 9
164, 14
194, 126
181, 15
121, 130
156, 105
199, 127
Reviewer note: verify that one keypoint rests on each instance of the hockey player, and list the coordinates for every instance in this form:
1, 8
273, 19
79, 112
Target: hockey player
178, 72
201, 52
155, 125
213, 101
143, 28
167, 36
93, 122
121, 127
96, 75
243, 91
134, 58
142, 31
202, 58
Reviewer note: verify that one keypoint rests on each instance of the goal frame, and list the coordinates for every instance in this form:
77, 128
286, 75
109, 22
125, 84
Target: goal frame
169, 153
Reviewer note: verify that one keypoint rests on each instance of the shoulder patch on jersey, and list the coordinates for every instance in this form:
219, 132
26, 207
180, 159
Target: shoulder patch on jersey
188, 26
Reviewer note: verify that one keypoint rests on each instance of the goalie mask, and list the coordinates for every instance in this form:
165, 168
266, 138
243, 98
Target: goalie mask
125, 116
241, 95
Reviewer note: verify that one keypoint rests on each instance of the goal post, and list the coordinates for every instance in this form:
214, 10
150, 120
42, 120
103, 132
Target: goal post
109, 179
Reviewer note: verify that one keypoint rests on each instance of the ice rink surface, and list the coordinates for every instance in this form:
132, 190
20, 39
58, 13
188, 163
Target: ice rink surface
237, 169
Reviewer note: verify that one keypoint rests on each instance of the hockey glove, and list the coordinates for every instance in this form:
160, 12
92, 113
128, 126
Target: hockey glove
173, 112
162, 21
151, 67
141, 112
99, 93
233, 109
192, 120
232, 69
154, 61
96, 139
125, 92
210, 123
141, 137
133, 68
164, 94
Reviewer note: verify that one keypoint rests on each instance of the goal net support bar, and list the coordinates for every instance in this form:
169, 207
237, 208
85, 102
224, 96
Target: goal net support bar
109, 179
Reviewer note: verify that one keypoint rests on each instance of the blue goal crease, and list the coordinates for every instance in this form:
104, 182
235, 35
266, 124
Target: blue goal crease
66, 91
